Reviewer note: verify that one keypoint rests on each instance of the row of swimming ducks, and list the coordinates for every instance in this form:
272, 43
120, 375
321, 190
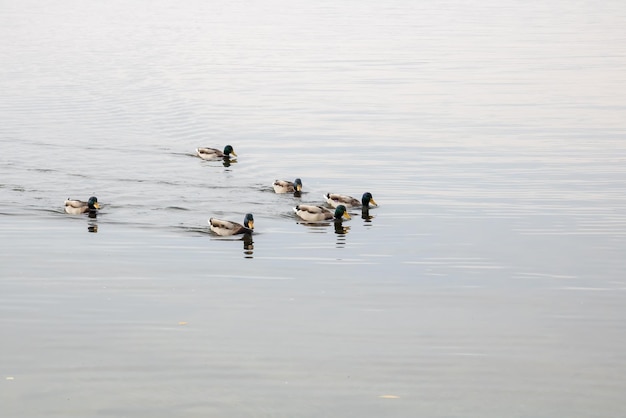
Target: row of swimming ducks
308, 213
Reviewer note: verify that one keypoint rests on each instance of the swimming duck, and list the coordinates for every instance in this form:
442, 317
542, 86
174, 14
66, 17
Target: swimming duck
76, 207
213, 153
226, 228
313, 213
334, 199
284, 186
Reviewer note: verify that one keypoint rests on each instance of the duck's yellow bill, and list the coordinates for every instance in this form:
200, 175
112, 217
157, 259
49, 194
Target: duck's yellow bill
346, 215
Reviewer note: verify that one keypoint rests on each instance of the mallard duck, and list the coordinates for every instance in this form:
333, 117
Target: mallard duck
334, 199
319, 213
226, 228
213, 153
75, 207
284, 186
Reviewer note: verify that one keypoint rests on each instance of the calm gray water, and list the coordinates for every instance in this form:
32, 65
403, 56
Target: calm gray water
490, 281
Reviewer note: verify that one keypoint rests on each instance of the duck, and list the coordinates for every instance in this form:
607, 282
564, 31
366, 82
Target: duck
227, 228
76, 207
213, 153
284, 186
334, 199
313, 213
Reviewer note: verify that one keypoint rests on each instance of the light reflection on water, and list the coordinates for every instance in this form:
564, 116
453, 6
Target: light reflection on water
489, 281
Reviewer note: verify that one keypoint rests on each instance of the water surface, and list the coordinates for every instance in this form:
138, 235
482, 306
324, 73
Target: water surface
489, 282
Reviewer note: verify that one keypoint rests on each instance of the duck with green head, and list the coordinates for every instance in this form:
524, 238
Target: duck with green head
76, 207
284, 186
335, 199
227, 228
213, 153
313, 213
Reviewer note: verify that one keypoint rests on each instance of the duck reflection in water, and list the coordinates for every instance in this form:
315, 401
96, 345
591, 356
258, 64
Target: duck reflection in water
340, 231
365, 215
92, 225
227, 162
248, 246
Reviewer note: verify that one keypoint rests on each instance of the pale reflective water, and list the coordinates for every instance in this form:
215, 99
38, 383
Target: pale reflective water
490, 282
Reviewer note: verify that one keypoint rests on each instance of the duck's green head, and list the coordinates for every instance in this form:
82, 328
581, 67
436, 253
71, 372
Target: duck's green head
229, 150
367, 199
298, 184
92, 203
248, 221
341, 212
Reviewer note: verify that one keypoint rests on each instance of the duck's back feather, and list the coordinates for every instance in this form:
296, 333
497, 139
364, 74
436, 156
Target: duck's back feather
224, 228
283, 186
76, 207
75, 203
313, 213
335, 199
209, 153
